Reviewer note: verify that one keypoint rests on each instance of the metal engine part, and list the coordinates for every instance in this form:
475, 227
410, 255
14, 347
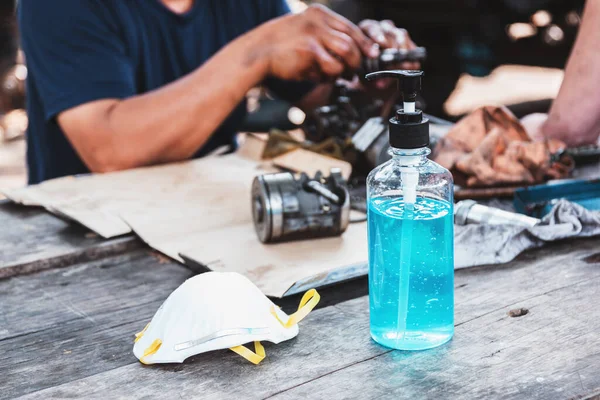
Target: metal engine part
390, 58
347, 110
285, 208
372, 140
585, 154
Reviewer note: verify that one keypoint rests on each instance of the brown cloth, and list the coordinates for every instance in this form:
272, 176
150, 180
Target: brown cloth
490, 147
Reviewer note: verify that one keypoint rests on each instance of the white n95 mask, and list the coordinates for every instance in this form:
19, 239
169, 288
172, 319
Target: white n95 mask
217, 310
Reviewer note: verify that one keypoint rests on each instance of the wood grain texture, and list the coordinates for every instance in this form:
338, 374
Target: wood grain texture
553, 352
77, 342
86, 321
32, 240
65, 324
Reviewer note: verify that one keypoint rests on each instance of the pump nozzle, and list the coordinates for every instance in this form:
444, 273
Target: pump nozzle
408, 129
409, 83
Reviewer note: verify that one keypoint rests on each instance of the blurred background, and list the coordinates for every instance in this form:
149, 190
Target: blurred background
480, 52
471, 39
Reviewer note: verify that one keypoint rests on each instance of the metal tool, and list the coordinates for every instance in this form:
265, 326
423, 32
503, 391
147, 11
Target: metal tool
285, 208
469, 212
391, 58
539, 200
585, 154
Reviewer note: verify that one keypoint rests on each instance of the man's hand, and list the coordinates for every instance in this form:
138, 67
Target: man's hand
317, 44
388, 36
321, 46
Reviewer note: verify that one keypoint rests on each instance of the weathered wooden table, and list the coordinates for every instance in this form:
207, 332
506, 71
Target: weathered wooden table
71, 302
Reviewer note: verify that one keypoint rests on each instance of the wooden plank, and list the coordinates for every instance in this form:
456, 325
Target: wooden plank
67, 358
66, 323
86, 321
553, 352
81, 319
82, 359
34, 303
32, 240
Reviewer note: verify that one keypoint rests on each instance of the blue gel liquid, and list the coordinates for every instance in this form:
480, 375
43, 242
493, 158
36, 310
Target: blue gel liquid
416, 314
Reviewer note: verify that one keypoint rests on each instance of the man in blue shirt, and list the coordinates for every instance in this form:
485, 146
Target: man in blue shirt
118, 84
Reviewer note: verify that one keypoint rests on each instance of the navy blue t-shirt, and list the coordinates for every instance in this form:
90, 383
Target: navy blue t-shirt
79, 51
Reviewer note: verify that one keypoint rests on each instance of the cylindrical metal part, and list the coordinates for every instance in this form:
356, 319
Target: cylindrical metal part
469, 212
285, 208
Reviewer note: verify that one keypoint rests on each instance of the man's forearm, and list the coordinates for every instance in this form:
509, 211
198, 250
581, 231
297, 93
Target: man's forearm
575, 114
170, 123
173, 122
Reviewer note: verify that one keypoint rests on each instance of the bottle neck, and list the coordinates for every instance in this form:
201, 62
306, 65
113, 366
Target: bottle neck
409, 157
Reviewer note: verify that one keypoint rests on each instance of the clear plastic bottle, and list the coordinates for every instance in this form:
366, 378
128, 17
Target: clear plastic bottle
411, 241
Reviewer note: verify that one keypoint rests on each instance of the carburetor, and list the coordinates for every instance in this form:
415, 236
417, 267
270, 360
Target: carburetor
285, 208
348, 107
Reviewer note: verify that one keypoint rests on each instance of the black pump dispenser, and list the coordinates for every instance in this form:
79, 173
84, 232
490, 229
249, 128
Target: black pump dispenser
408, 128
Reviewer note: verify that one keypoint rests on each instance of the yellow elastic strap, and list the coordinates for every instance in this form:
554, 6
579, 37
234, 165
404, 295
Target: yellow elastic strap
307, 304
153, 348
255, 356
139, 335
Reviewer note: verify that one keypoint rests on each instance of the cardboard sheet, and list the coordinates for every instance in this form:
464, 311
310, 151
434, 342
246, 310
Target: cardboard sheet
201, 209
97, 201
223, 239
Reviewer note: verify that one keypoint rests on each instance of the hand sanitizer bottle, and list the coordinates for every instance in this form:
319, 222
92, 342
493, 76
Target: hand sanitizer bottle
411, 241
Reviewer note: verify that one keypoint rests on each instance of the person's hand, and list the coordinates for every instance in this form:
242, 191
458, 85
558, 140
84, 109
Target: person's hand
533, 124
316, 44
387, 36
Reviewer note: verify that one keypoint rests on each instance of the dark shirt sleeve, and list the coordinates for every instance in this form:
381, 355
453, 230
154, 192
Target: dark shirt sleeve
292, 91
74, 53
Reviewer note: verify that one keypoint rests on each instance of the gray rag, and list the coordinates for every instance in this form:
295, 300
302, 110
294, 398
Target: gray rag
489, 244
